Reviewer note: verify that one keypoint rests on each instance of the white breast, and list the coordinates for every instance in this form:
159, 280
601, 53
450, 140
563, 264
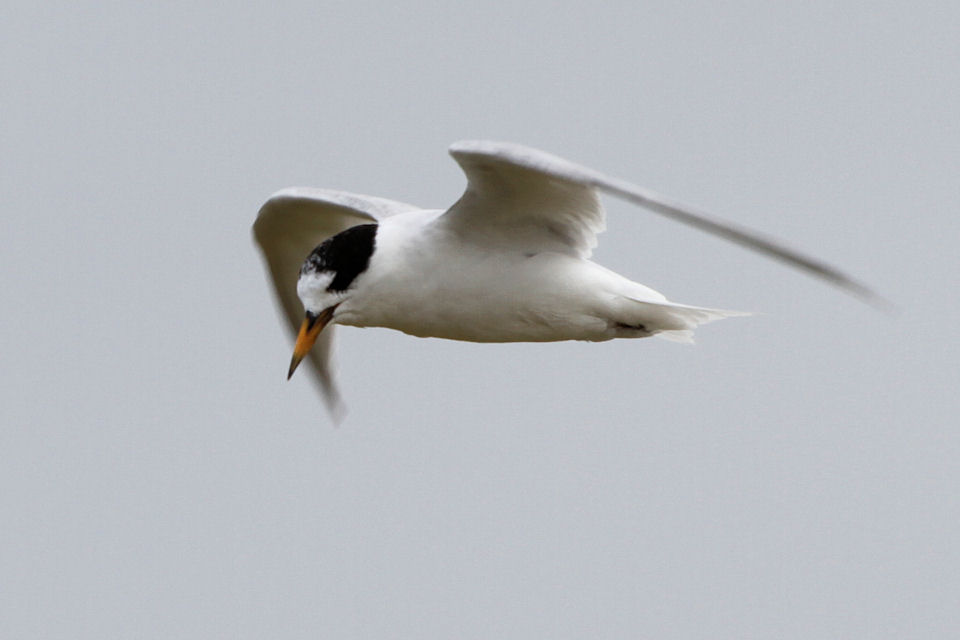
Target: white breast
423, 281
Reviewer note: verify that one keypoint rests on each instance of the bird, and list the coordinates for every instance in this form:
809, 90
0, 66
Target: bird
507, 262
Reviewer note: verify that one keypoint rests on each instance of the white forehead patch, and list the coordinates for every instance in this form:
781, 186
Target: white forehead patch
312, 290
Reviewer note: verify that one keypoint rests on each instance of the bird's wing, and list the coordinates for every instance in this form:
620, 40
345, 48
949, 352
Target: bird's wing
290, 224
524, 198
516, 194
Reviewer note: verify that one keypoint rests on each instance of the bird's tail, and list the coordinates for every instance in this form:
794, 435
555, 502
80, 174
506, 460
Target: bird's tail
676, 322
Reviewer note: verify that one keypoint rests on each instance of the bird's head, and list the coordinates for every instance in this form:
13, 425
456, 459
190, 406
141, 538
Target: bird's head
326, 279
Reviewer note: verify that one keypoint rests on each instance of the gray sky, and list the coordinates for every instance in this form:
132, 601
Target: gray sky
793, 475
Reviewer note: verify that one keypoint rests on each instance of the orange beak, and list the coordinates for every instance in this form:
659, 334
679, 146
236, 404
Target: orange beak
309, 330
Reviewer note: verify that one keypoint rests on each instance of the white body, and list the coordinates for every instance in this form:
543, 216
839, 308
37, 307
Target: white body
507, 262
424, 281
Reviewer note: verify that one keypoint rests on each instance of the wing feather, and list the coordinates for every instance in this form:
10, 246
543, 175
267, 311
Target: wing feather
524, 198
514, 190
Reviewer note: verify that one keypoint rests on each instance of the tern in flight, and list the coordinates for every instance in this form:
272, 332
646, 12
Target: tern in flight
508, 262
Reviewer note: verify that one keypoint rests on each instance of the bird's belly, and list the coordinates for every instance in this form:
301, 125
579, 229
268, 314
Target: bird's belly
520, 300
493, 322
455, 320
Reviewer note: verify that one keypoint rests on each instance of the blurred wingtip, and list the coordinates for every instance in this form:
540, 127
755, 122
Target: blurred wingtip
883, 305
337, 410
332, 400
869, 297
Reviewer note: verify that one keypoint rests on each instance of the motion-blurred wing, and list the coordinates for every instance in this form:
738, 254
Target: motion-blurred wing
290, 224
520, 196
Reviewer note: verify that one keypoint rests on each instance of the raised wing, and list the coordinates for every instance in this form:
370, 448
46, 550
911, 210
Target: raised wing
290, 224
525, 198
520, 195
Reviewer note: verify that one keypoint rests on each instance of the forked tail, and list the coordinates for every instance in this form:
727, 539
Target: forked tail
676, 322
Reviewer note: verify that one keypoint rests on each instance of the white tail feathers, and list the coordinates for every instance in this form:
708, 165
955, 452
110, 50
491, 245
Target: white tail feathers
676, 322
683, 336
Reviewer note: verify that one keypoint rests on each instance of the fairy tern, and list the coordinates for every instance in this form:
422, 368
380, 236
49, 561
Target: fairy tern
508, 262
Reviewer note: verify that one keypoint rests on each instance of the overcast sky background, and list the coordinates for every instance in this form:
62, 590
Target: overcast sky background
793, 475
